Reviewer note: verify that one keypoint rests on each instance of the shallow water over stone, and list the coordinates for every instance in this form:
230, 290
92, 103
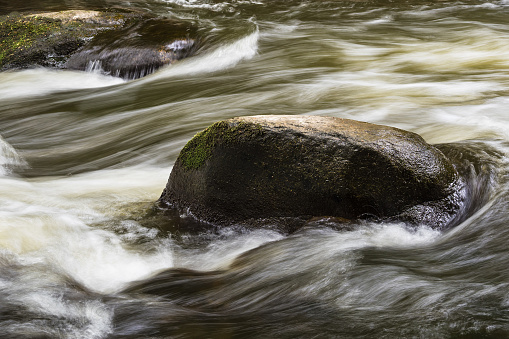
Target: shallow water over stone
86, 253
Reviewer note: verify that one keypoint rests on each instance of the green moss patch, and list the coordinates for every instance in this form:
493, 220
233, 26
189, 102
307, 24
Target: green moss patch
200, 148
26, 40
129, 42
19, 33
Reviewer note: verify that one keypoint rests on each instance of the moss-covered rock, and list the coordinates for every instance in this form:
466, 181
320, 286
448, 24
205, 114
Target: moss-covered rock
267, 167
122, 43
21, 39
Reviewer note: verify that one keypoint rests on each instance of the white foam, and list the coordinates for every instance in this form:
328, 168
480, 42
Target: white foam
216, 7
383, 20
462, 122
51, 220
198, 4
224, 57
9, 158
97, 317
42, 81
221, 252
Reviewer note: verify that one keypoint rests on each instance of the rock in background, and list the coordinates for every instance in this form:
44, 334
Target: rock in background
121, 43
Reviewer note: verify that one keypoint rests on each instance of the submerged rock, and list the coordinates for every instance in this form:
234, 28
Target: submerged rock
264, 167
121, 43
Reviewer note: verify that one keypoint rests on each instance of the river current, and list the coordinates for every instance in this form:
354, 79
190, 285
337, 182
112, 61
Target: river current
85, 252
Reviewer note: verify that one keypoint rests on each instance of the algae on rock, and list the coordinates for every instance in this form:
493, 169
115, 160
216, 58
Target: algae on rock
128, 44
199, 149
19, 34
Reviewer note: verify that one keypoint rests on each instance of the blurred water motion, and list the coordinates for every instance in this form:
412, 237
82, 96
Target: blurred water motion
86, 253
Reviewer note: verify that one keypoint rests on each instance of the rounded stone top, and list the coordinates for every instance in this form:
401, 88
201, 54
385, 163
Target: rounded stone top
297, 166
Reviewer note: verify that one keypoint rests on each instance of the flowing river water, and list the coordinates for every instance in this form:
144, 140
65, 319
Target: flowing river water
85, 252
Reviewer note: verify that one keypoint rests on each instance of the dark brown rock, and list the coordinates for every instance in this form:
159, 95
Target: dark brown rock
122, 43
303, 166
137, 49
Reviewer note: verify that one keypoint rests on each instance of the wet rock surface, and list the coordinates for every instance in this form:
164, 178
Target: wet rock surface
248, 169
121, 43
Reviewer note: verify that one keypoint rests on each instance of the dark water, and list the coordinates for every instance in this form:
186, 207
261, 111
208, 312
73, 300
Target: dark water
85, 252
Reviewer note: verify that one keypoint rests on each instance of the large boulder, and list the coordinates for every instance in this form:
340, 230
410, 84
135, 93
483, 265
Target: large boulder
122, 43
264, 167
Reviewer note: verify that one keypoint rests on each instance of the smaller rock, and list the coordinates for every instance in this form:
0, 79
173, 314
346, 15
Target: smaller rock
137, 49
126, 44
30, 40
